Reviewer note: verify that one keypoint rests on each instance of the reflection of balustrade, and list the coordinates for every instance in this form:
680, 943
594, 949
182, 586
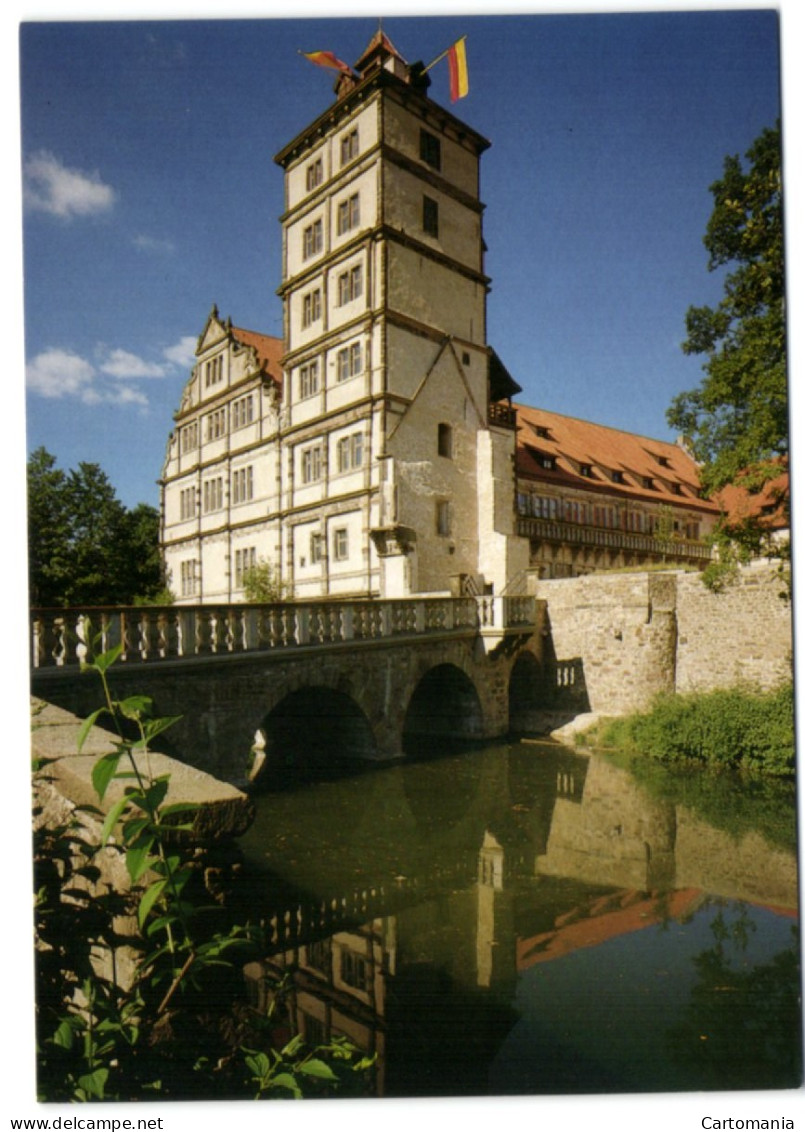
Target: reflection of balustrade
148, 634
554, 530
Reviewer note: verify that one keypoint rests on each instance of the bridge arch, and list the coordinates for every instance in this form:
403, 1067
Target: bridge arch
312, 732
528, 694
444, 709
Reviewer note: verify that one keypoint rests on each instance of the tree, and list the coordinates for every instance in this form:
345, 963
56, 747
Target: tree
736, 422
84, 546
262, 584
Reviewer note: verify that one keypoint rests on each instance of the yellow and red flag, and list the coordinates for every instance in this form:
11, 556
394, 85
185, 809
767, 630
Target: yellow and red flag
327, 59
457, 62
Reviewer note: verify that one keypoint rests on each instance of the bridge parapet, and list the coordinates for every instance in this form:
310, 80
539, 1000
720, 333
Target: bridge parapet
146, 634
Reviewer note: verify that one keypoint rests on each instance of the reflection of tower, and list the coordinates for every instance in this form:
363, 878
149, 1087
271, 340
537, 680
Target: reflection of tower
339, 988
495, 944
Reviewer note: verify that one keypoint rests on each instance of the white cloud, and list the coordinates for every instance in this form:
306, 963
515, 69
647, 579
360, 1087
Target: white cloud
152, 244
126, 366
53, 188
183, 353
57, 374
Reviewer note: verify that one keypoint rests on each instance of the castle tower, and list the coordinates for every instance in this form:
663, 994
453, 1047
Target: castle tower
385, 428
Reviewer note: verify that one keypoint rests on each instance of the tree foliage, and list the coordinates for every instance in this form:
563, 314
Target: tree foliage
84, 546
262, 584
737, 419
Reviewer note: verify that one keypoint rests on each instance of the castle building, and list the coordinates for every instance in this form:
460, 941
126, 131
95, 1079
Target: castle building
374, 451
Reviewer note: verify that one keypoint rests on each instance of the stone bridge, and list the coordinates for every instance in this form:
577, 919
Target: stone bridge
306, 682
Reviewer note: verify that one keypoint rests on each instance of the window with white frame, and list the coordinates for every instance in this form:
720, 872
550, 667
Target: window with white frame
243, 484
311, 464
443, 517
188, 572
350, 284
189, 436
311, 307
187, 503
348, 215
314, 175
309, 379
245, 559
213, 494
216, 424
316, 548
242, 411
349, 452
349, 361
349, 146
340, 544
312, 239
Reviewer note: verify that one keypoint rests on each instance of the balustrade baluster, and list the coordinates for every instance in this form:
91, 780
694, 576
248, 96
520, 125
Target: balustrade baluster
167, 633
203, 642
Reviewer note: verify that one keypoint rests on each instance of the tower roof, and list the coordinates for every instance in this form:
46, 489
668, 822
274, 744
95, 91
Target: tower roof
378, 51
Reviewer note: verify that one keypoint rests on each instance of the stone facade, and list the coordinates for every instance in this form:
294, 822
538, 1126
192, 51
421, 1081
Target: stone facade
635, 635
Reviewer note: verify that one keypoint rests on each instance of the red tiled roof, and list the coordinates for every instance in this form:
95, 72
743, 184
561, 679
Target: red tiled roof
574, 443
767, 506
269, 350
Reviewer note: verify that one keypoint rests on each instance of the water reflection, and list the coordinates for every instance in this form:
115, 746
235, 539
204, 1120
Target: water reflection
524, 920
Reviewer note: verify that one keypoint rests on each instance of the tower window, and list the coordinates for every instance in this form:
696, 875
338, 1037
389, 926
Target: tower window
311, 465
349, 452
314, 175
349, 362
443, 518
445, 441
312, 239
350, 285
311, 307
349, 147
430, 217
349, 214
309, 379
430, 149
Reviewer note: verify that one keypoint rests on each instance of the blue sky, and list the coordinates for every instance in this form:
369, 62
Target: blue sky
150, 193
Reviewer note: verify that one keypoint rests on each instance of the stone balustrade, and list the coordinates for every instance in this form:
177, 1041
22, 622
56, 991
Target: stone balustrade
65, 637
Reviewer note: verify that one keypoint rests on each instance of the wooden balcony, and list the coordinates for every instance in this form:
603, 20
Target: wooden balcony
629, 542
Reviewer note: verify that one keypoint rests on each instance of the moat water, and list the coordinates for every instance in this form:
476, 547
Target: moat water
523, 919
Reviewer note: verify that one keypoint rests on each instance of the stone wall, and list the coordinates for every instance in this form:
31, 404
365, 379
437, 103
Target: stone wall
740, 636
635, 635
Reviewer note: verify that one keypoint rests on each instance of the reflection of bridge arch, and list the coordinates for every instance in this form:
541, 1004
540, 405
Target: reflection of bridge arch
443, 707
312, 732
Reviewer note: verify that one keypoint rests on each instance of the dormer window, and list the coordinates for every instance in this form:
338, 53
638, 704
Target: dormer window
542, 432
617, 477
648, 483
662, 461
548, 462
586, 470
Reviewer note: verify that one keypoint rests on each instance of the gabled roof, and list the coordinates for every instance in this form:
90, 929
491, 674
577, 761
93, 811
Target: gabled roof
595, 457
269, 350
380, 47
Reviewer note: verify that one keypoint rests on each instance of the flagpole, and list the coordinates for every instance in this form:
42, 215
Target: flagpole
443, 55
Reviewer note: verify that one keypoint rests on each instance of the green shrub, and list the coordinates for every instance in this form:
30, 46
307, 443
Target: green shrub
729, 729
